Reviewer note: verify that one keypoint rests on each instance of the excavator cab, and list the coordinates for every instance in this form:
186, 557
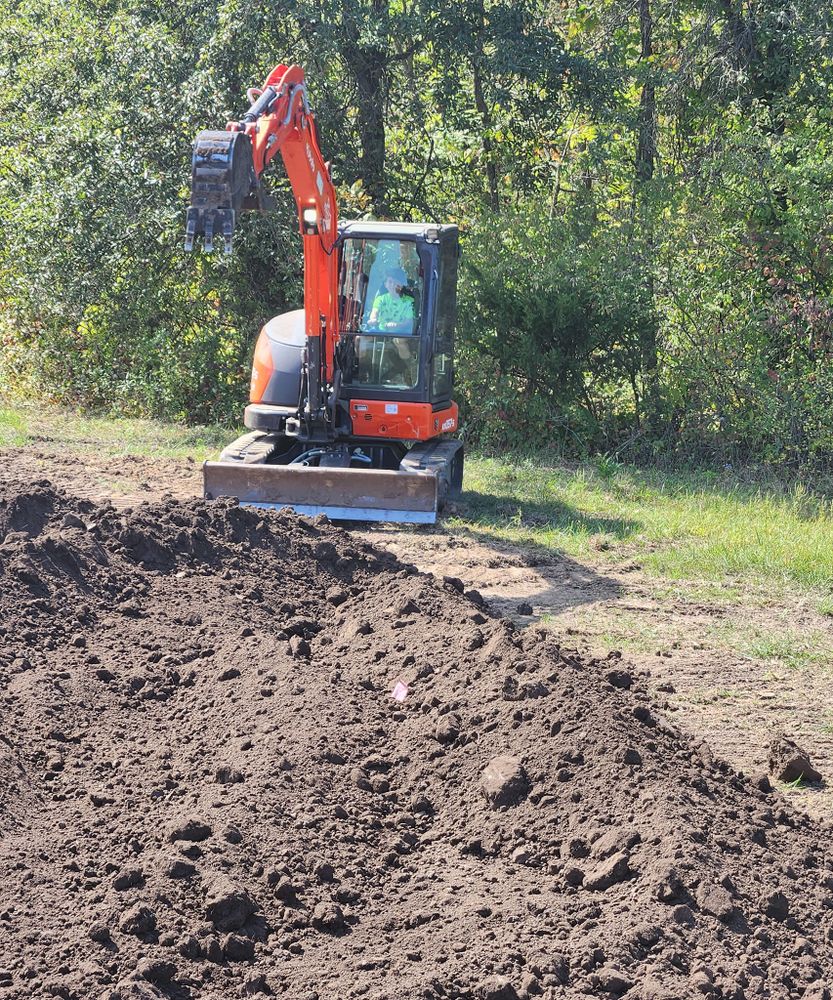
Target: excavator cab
405, 353
393, 360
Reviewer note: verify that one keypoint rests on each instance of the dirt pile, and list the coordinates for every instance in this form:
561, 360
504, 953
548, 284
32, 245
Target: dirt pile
208, 791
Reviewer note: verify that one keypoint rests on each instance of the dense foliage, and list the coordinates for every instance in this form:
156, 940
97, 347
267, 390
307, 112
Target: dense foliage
645, 191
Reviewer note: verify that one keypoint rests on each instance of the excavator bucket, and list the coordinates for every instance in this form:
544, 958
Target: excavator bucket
409, 497
223, 183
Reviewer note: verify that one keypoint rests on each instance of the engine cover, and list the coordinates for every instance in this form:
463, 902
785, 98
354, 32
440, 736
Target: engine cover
276, 372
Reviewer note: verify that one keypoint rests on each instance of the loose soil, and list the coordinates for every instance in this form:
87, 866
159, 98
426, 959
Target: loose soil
738, 703
207, 789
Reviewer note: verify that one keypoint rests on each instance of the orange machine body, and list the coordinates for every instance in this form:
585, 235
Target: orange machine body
289, 129
322, 396
401, 421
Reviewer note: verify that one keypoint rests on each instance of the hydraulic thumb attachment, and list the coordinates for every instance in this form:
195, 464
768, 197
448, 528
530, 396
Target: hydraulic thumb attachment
223, 183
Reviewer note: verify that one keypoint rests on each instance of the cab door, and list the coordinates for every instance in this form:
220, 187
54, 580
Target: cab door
442, 362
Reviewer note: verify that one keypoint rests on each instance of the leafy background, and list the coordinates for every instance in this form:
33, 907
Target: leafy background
645, 191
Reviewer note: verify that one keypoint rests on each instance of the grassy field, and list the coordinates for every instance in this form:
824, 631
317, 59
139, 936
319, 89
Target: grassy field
26, 425
683, 526
757, 552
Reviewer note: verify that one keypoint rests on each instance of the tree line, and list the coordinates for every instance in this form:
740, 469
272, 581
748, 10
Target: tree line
645, 193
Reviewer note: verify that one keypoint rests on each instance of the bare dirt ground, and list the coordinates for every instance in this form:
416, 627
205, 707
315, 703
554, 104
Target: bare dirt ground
737, 703
244, 753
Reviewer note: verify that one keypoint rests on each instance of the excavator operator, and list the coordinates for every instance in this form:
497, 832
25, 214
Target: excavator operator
393, 312
391, 309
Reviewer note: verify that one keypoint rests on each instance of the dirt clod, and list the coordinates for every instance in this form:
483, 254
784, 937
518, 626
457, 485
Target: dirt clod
237, 948
328, 917
256, 985
133, 989
448, 729
228, 906
99, 932
138, 920
496, 988
777, 906
504, 781
619, 679
716, 901
762, 782
178, 868
130, 878
612, 981
228, 775
788, 762
156, 970
189, 828
190, 947
608, 872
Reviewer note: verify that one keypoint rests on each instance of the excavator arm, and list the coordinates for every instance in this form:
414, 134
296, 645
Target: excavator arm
226, 179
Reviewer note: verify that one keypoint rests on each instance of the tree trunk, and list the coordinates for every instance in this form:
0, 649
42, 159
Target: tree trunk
368, 69
488, 147
646, 154
646, 144
368, 65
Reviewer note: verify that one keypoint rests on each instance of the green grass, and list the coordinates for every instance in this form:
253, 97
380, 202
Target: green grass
695, 526
53, 428
629, 633
12, 429
713, 695
715, 593
784, 646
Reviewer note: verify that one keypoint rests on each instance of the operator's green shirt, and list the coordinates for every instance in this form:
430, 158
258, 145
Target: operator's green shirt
398, 310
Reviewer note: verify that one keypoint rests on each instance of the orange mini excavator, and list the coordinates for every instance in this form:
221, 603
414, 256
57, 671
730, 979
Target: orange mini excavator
350, 409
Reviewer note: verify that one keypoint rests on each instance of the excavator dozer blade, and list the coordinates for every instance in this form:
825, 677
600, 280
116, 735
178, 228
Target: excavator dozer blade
347, 494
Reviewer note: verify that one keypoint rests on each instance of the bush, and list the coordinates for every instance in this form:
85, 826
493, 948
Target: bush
551, 321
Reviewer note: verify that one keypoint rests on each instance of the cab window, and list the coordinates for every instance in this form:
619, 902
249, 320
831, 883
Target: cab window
442, 376
381, 298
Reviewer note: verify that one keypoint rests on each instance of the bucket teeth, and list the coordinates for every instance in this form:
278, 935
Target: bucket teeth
190, 228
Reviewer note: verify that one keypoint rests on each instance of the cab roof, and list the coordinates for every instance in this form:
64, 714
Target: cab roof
408, 230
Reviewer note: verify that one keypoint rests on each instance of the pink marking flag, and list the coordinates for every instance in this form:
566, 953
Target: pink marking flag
400, 691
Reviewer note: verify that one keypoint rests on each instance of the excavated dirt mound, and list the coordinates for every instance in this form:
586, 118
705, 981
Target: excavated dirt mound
207, 789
